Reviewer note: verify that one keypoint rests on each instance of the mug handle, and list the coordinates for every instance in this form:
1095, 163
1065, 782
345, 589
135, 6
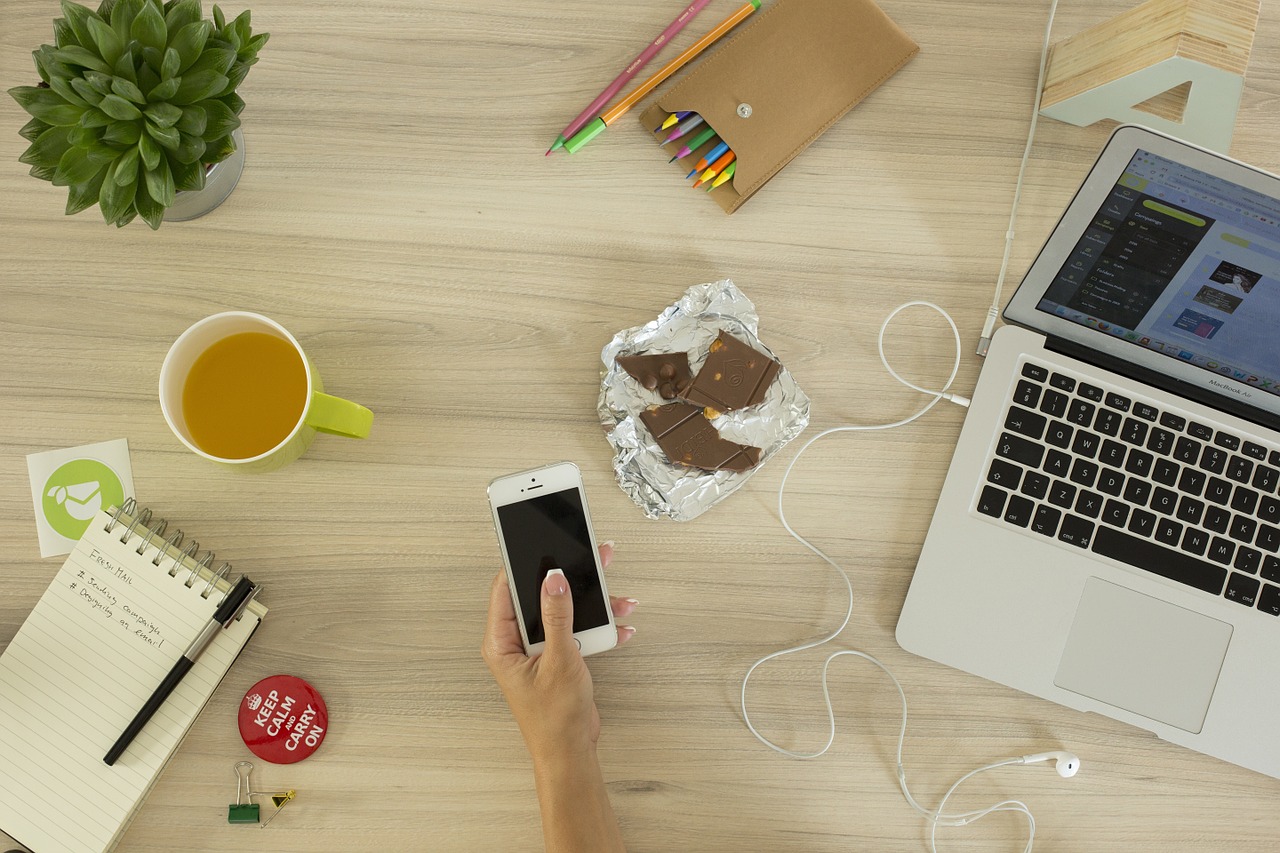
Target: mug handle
336, 416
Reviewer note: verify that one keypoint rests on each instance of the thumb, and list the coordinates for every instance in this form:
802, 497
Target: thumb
557, 613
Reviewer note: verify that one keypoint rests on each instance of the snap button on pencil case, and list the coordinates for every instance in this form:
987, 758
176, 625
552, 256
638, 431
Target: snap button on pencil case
797, 69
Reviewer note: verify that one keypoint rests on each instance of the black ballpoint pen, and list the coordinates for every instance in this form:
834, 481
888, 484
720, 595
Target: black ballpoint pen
233, 604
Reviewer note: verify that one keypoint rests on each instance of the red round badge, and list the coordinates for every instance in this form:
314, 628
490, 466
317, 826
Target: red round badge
283, 719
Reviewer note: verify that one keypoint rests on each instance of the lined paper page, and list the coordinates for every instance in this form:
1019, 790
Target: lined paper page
100, 640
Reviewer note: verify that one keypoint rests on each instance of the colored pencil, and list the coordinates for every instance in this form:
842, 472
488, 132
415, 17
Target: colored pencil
715, 168
711, 157
616, 112
672, 119
630, 71
694, 144
684, 127
724, 176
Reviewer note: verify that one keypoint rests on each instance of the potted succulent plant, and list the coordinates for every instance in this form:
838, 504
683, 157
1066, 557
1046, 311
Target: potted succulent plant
137, 103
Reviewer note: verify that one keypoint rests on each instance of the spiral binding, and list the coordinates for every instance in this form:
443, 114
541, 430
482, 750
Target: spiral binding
172, 549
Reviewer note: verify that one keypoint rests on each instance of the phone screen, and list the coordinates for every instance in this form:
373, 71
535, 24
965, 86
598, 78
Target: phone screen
550, 532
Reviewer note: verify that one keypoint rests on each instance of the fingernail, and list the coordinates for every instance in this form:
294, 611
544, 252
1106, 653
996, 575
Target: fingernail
631, 601
631, 632
608, 543
556, 584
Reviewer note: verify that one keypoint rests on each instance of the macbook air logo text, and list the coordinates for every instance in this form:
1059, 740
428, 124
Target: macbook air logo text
1225, 387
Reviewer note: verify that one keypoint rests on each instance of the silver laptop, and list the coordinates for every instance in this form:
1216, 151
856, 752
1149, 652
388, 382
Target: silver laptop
1108, 533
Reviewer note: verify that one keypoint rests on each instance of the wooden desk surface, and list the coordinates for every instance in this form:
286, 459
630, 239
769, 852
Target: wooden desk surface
397, 214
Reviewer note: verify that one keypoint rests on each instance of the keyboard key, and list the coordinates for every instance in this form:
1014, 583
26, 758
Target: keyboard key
1004, 474
1169, 532
1133, 431
991, 501
1274, 457
1243, 528
1139, 463
1066, 383
1117, 401
1089, 503
1160, 441
1019, 450
1057, 463
1062, 494
1195, 541
1053, 404
1137, 491
1190, 510
1046, 520
1218, 490
1142, 522
1191, 481
1165, 472
1239, 469
1076, 531
1059, 434
1269, 510
1019, 511
1112, 453
1080, 413
1268, 538
1090, 392
1086, 443
1248, 560
1200, 431
1164, 501
1218, 520
1269, 599
1115, 513
1024, 422
1230, 442
1186, 450
1254, 451
1035, 371
1083, 472
1242, 589
1271, 568
1110, 481
1147, 413
1222, 550
1026, 394
1035, 484
1159, 560
1265, 478
1173, 422
1108, 422
1214, 459
1244, 500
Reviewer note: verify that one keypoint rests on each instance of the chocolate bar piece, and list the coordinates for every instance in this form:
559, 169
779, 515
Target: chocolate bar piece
667, 373
688, 438
734, 376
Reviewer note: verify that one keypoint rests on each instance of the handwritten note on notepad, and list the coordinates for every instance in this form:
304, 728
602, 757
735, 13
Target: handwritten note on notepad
103, 635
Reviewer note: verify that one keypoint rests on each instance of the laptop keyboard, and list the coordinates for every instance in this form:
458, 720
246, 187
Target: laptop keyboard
1107, 473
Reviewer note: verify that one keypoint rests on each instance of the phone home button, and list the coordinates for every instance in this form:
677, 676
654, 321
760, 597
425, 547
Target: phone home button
578, 642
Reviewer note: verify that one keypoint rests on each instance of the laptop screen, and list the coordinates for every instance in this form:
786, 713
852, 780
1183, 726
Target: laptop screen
1182, 263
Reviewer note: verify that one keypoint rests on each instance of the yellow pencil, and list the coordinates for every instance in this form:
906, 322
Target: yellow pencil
724, 176
716, 168
593, 129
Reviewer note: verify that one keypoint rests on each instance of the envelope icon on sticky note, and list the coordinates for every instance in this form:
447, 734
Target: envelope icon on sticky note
81, 501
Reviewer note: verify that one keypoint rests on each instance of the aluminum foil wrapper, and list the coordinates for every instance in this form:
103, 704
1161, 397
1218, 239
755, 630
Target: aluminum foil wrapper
659, 487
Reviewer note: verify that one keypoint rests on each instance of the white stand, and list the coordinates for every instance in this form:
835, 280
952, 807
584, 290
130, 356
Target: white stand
1173, 65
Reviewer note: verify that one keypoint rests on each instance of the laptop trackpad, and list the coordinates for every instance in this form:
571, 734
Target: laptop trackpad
1143, 655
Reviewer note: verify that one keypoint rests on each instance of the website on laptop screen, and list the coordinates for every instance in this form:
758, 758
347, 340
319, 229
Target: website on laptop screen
1182, 263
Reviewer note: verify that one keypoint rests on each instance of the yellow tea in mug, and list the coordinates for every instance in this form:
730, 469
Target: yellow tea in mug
244, 395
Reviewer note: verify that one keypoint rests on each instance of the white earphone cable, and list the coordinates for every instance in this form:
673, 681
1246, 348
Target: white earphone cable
935, 816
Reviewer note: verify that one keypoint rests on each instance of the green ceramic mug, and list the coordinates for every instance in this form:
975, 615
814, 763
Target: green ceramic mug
316, 411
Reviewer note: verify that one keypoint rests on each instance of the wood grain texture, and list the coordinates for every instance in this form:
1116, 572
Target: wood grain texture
397, 215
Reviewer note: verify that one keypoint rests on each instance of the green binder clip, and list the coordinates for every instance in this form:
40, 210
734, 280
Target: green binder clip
243, 810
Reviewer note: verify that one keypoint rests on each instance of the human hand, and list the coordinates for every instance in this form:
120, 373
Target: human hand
550, 694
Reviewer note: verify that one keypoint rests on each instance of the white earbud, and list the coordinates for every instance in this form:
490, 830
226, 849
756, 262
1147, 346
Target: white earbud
1066, 763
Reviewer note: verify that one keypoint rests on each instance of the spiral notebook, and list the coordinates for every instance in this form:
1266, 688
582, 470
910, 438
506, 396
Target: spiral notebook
122, 609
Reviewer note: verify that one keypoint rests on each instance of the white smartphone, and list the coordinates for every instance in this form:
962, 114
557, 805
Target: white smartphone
543, 523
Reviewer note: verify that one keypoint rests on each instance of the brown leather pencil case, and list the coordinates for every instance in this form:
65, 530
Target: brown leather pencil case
780, 82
